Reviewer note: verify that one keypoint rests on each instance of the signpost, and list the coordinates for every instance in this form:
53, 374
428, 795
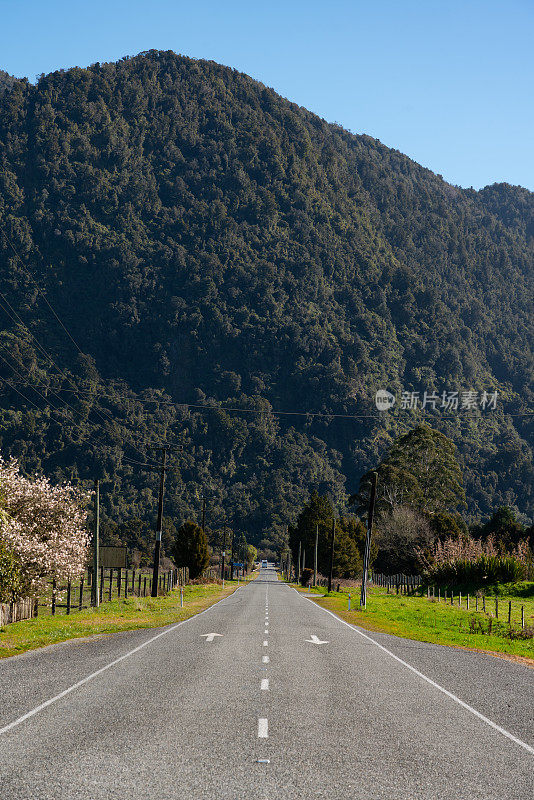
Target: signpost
113, 557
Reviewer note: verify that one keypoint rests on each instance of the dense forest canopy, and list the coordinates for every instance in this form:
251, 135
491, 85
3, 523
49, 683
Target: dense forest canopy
176, 237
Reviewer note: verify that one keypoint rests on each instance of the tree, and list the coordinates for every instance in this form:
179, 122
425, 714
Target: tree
402, 537
241, 550
43, 530
191, 548
317, 511
10, 574
445, 525
420, 471
252, 555
504, 528
349, 548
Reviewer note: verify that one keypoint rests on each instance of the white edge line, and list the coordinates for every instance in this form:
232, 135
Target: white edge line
446, 692
90, 677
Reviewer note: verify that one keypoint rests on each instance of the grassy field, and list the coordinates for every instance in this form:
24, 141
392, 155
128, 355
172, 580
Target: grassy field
117, 615
430, 621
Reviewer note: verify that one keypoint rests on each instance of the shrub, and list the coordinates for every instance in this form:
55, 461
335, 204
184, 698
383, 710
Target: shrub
470, 562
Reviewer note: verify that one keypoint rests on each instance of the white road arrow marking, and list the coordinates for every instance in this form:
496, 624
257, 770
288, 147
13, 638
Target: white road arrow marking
210, 636
315, 640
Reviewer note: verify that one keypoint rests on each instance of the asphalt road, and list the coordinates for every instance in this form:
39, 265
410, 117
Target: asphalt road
286, 702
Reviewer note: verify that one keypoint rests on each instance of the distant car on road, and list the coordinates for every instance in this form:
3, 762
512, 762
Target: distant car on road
264, 563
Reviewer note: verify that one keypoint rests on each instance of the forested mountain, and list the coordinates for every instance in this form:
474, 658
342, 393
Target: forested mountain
207, 243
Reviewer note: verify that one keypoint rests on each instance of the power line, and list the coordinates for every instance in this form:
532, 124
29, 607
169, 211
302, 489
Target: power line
18, 320
272, 412
48, 401
14, 388
28, 272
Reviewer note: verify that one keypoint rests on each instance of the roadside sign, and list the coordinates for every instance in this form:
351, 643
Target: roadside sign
113, 557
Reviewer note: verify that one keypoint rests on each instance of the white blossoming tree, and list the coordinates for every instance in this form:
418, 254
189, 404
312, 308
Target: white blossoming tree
43, 531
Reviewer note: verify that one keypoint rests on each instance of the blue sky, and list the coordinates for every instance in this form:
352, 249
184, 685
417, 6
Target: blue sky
448, 82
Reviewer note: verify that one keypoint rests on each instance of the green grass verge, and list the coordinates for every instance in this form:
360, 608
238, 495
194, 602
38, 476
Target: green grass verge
117, 615
440, 623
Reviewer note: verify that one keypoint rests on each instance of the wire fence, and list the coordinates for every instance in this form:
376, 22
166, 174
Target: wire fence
70, 596
494, 607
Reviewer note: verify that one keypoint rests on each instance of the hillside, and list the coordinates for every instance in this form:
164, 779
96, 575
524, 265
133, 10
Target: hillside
206, 242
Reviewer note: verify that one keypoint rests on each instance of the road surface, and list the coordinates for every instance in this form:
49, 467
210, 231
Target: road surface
264, 696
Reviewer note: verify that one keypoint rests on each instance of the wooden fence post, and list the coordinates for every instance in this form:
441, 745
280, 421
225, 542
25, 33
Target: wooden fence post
126, 585
68, 597
496, 608
509, 612
80, 603
101, 583
53, 597
110, 588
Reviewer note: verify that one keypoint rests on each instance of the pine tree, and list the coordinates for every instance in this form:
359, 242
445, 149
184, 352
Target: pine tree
191, 548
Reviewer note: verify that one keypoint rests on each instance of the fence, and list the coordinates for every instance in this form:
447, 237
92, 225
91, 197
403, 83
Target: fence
18, 610
491, 605
114, 583
401, 583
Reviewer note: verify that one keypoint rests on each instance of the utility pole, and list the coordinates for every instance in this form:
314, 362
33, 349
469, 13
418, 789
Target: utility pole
204, 514
331, 572
232, 558
95, 594
315, 555
157, 549
367, 555
223, 553
298, 563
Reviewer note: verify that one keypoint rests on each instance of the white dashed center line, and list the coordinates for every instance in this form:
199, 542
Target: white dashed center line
263, 728
265, 659
265, 685
265, 643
